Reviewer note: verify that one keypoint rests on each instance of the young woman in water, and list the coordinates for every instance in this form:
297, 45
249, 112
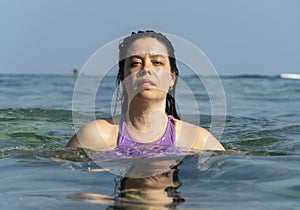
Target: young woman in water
148, 75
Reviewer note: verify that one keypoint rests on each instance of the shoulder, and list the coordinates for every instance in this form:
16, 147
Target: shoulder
195, 137
97, 135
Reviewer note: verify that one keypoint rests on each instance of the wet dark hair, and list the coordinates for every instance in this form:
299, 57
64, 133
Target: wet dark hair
172, 191
123, 48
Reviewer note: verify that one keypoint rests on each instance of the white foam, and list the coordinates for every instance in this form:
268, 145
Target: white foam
290, 76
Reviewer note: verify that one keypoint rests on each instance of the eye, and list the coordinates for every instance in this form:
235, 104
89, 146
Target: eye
135, 63
158, 63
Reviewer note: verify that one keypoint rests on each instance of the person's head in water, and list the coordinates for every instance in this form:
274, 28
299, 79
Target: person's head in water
129, 57
75, 72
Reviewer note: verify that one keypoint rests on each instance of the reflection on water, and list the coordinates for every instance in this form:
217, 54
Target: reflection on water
158, 191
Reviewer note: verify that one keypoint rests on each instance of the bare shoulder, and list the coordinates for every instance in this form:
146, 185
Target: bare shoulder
96, 135
195, 137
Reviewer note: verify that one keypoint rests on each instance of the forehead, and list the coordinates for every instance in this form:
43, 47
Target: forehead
147, 46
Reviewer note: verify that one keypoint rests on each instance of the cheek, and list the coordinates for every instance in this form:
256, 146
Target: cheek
126, 73
164, 80
129, 80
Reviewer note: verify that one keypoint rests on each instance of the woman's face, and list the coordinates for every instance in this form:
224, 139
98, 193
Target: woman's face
147, 70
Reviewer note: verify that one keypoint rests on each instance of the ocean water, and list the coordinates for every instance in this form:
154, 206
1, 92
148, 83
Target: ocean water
260, 168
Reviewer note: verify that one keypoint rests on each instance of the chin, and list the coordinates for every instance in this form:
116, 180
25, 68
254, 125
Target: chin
151, 94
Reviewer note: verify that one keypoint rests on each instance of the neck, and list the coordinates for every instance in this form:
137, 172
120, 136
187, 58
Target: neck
144, 115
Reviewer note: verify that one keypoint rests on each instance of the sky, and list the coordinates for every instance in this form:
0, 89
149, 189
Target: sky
238, 36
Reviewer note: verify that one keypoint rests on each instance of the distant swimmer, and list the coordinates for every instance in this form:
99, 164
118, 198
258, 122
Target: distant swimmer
75, 72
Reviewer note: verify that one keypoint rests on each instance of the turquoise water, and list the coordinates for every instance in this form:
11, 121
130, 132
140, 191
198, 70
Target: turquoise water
259, 170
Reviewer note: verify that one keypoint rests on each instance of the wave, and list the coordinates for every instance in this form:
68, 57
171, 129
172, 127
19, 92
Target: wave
290, 76
282, 76
250, 76
235, 76
48, 129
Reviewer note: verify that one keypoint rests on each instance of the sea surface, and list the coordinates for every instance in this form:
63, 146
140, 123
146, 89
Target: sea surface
260, 168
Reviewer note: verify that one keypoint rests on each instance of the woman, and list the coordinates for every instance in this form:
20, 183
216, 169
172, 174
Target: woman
148, 75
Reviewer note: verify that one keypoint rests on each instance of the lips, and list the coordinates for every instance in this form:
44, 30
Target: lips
145, 83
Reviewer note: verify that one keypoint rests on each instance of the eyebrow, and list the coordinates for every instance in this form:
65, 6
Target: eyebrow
152, 56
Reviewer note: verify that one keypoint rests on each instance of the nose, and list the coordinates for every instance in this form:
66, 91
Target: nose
146, 69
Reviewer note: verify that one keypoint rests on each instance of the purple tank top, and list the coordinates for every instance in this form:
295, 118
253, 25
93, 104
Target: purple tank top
167, 140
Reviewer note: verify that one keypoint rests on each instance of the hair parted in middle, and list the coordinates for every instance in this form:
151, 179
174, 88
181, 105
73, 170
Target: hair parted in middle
123, 48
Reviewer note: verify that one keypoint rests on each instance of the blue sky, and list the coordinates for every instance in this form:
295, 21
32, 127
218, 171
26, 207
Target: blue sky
239, 36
